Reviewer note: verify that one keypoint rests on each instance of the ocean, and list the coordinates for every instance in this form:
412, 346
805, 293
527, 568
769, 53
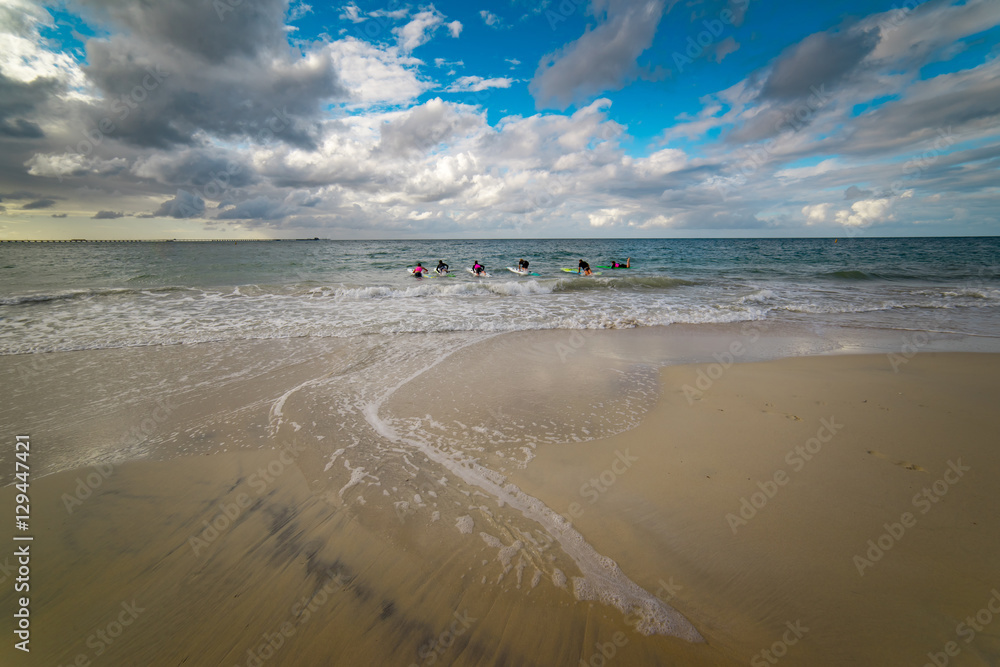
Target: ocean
83, 295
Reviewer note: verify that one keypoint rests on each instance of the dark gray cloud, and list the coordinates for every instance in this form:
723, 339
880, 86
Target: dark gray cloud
59, 215
19, 102
822, 59
183, 205
186, 67
211, 31
259, 208
424, 127
108, 215
38, 203
935, 113
601, 59
21, 194
197, 168
855, 193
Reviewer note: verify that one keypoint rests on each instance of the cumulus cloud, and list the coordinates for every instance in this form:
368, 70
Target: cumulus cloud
195, 168
864, 213
817, 214
424, 127
373, 76
601, 59
107, 215
183, 205
173, 70
454, 28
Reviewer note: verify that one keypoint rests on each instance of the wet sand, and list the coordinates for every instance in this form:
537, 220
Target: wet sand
535, 498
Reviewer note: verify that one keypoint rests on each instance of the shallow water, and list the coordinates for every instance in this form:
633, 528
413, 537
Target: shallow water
89, 295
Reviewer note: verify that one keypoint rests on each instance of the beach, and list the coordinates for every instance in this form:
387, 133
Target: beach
722, 495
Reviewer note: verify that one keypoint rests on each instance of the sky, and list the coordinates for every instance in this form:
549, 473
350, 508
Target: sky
380, 119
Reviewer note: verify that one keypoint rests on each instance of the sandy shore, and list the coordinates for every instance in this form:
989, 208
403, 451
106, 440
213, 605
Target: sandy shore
377, 502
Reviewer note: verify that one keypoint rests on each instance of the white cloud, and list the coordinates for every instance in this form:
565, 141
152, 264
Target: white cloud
489, 18
351, 12
454, 28
817, 214
419, 30
474, 84
865, 212
373, 75
298, 9
661, 162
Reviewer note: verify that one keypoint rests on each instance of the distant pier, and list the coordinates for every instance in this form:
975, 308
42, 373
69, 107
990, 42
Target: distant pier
154, 240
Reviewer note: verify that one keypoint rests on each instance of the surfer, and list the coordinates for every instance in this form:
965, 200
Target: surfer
442, 268
478, 268
419, 270
584, 268
522, 265
619, 265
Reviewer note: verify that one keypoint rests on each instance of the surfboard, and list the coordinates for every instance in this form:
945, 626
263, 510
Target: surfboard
613, 267
520, 272
592, 272
479, 275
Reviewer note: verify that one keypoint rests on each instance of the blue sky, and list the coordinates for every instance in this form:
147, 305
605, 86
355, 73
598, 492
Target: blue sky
579, 118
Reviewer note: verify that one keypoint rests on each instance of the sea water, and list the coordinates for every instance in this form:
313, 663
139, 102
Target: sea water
71, 296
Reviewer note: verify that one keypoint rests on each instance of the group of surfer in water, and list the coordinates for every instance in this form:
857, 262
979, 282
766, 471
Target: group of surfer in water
583, 268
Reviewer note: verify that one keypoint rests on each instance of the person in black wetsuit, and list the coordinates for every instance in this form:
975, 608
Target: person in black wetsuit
583, 268
522, 265
442, 268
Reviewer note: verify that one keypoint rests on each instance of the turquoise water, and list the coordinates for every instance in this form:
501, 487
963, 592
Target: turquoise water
97, 295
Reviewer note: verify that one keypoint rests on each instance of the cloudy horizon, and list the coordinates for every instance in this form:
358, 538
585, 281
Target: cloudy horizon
571, 118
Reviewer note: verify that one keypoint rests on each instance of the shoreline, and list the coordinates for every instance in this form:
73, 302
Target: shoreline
426, 555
